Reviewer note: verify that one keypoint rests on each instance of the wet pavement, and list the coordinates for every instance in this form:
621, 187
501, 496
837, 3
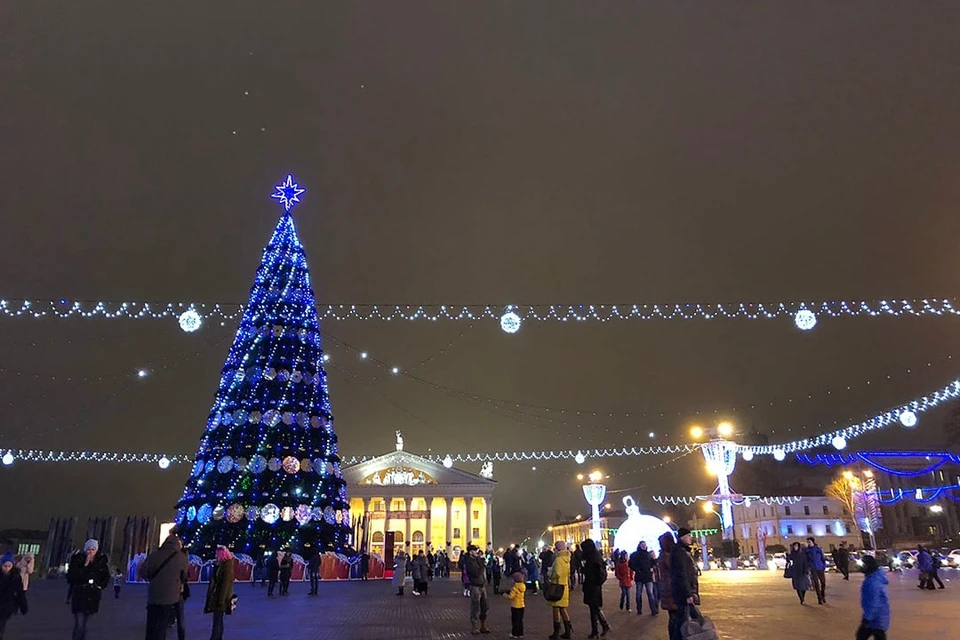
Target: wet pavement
745, 605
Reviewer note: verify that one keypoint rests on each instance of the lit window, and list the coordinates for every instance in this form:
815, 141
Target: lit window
456, 532
789, 529
476, 515
476, 533
809, 529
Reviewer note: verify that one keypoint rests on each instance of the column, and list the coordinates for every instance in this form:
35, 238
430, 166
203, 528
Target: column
365, 542
488, 502
468, 536
449, 531
428, 534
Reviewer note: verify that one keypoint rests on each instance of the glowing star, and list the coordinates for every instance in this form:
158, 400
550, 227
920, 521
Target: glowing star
164, 462
908, 419
288, 193
805, 319
190, 321
510, 322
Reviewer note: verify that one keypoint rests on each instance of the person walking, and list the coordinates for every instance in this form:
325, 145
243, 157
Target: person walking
400, 570
664, 588
594, 575
117, 583
925, 565
843, 560
625, 577
818, 567
936, 563
313, 568
88, 575
286, 571
642, 567
419, 574
577, 563
496, 570
165, 569
364, 564
12, 597
560, 574
476, 570
874, 602
798, 570
178, 618
684, 586
273, 572
25, 567
517, 595
220, 598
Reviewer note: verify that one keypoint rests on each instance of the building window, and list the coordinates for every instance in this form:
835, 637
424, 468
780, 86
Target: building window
24, 548
418, 537
378, 537
786, 510
476, 514
476, 533
378, 505
806, 510
456, 514
789, 529
398, 536
809, 529
764, 512
396, 505
826, 510
456, 532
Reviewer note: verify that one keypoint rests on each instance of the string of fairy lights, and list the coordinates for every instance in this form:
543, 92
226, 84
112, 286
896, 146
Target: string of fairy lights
511, 317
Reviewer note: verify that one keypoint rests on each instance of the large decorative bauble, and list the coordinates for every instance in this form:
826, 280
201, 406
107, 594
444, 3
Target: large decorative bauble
190, 321
639, 528
270, 513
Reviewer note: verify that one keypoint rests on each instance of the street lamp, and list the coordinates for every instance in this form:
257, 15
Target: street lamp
721, 456
594, 492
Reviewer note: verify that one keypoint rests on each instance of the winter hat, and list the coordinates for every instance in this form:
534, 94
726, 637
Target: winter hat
870, 564
7, 557
682, 531
91, 544
517, 577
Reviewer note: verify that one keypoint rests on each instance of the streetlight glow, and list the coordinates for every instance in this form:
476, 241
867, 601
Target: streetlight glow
725, 429
696, 431
707, 507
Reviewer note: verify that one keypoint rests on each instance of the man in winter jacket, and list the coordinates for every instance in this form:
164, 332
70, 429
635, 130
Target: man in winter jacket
873, 600
166, 570
476, 570
546, 559
642, 565
818, 567
683, 580
925, 565
843, 560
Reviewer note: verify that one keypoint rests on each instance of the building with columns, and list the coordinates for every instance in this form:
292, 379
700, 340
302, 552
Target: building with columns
422, 502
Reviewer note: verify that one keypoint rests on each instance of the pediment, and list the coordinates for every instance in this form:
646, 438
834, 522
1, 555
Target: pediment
417, 466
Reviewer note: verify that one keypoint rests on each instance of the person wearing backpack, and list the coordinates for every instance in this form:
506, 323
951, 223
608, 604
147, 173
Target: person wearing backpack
165, 569
594, 575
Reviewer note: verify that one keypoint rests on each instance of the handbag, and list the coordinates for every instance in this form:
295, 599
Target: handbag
698, 626
788, 573
553, 592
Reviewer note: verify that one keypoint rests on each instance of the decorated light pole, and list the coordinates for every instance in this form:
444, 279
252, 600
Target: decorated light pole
721, 457
595, 491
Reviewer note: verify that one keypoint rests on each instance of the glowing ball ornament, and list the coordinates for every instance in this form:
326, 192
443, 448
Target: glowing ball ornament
580, 458
805, 319
908, 419
510, 322
779, 455
164, 462
747, 456
8, 458
639, 528
447, 461
190, 321
839, 443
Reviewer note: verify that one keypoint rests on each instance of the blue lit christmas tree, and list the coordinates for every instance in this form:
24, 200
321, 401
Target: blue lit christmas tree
267, 473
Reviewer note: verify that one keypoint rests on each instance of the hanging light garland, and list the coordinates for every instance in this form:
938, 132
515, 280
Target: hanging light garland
737, 500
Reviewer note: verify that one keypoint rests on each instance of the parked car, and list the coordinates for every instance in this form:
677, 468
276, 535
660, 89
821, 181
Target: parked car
953, 558
780, 561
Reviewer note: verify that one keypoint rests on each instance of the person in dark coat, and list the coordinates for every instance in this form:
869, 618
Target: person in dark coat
594, 575
577, 565
843, 560
313, 568
12, 597
273, 572
684, 586
799, 567
364, 564
475, 568
418, 571
219, 600
286, 570
166, 570
664, 583
88, 575
818, 568
642, 565
546, 559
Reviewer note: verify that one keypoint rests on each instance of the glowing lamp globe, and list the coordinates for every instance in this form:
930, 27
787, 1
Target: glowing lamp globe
190, 321
805, 319
594, 493
639, 528
8, 458
908, 419
447, 461
580, 458
839, 443
779, 455
164, 462
747, 455
510, 322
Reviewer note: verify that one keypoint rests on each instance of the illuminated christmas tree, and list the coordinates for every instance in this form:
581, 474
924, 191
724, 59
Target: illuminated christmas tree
267, 473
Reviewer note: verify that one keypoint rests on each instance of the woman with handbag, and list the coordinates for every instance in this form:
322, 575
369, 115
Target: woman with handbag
798, 570
594, 575
220, 599
556, 591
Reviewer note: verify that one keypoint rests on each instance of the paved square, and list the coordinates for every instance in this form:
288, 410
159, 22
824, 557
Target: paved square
744, 604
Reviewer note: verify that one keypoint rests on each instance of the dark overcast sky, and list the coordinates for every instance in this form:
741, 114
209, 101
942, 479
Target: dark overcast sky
474, 152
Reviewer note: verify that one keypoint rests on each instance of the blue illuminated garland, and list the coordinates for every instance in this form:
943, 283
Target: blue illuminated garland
896, 495
843, 459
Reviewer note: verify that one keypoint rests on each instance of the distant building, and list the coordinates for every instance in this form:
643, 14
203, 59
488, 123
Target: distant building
818, 517
907, 522
576, 530
22, 541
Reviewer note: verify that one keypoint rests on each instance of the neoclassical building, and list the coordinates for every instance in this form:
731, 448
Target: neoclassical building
422, 502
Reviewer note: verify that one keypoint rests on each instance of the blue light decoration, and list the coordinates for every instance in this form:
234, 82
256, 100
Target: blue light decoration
288, 193
269, 449
920, 495
936, 460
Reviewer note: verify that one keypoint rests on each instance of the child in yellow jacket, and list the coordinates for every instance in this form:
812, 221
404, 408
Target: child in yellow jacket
517, 595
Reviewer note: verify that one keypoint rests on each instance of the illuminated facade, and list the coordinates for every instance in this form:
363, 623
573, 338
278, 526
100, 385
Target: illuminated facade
422, 502
818, 517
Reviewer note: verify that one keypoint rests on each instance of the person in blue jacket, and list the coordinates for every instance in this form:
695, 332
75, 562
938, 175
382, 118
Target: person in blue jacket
818, 568
873, 600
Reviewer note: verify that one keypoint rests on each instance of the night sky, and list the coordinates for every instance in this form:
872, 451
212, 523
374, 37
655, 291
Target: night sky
529, 152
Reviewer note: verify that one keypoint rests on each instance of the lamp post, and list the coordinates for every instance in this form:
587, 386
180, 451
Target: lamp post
863, 486
595, 491
721, 456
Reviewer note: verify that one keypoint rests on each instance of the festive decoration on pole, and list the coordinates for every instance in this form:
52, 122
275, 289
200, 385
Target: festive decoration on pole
595, 491
267, 472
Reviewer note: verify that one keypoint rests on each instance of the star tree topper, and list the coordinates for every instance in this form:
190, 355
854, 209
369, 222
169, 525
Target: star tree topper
288, 193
